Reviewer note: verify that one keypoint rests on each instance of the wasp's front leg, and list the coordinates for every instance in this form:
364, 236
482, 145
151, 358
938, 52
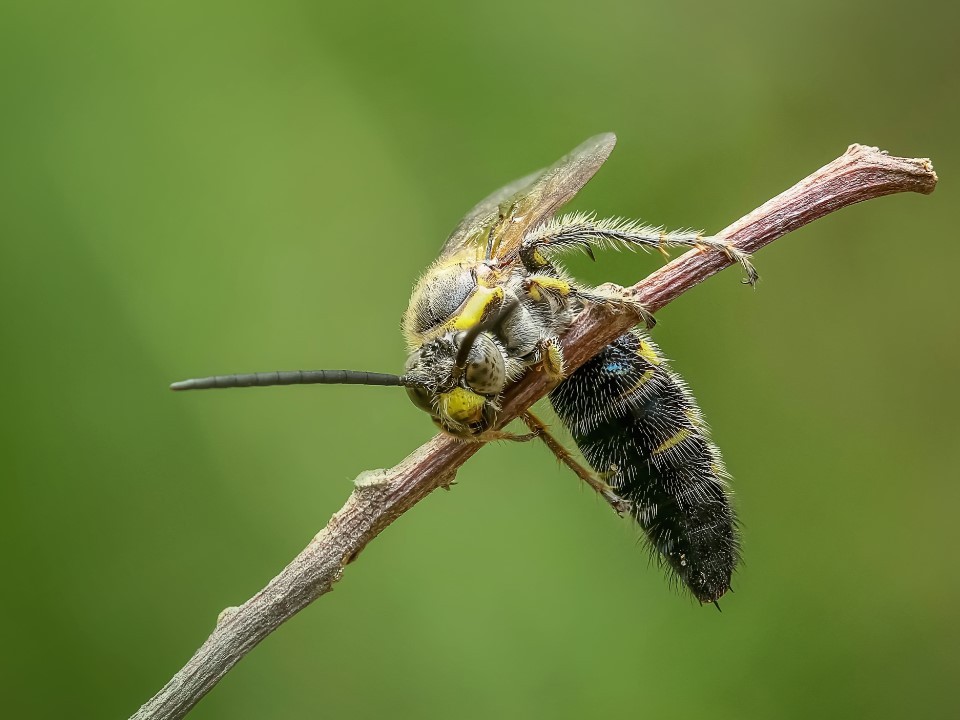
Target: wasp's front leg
491, 435
548, 359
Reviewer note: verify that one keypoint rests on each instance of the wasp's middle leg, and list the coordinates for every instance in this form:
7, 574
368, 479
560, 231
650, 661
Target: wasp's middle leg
549, 282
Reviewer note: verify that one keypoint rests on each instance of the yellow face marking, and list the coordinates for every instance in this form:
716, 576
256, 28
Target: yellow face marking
673, 441
462, 406
475, 308
647, 352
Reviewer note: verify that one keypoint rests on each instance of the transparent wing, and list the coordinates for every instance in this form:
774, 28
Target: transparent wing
505, 216
475, 226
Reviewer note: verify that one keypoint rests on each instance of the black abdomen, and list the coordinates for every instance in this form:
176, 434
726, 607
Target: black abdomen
631, 416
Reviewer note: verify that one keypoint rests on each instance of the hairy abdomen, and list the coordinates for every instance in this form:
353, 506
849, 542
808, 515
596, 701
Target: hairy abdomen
634, 418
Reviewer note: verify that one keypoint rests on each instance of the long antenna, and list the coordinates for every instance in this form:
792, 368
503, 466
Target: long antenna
293, 377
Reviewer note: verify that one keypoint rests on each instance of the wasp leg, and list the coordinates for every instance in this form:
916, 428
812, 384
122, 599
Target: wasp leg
617, 299
584, 231
548, 359
491, 435
540, 285
595, 481
547, 356
466, 435
611, 296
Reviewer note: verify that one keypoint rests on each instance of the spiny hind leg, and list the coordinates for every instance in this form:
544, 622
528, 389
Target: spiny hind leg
585, 231
734, 254
594, 480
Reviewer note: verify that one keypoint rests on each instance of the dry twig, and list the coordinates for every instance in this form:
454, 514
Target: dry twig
382, 496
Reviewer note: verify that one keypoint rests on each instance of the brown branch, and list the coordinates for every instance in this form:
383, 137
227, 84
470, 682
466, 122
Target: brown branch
383, 496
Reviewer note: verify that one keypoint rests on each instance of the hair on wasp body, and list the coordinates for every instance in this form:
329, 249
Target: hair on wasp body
494, 304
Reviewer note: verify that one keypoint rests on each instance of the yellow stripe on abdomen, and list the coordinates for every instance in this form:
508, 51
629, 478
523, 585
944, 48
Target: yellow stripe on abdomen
644, 378
647, 352
673, 441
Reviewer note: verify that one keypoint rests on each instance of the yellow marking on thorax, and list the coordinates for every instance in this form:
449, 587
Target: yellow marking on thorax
475, 308
647, 352
673, 441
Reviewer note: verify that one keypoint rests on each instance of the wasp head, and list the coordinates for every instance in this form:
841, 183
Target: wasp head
457, 378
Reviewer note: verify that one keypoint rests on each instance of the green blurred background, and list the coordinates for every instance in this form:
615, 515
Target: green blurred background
193, 188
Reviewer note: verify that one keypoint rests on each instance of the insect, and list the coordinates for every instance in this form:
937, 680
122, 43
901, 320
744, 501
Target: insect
494, 304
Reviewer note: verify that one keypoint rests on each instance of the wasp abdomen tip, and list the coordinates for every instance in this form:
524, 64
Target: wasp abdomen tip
181, 385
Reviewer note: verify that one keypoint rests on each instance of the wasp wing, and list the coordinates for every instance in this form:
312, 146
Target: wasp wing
505, 216
555, 187
476, 224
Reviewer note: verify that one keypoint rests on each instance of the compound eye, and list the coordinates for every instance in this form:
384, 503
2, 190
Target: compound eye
413, 360
485, 371
421, 398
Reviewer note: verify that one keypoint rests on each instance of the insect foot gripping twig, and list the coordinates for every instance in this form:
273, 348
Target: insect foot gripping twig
862, 173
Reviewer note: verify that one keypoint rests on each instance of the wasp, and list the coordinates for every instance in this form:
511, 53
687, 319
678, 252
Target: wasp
494, 304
